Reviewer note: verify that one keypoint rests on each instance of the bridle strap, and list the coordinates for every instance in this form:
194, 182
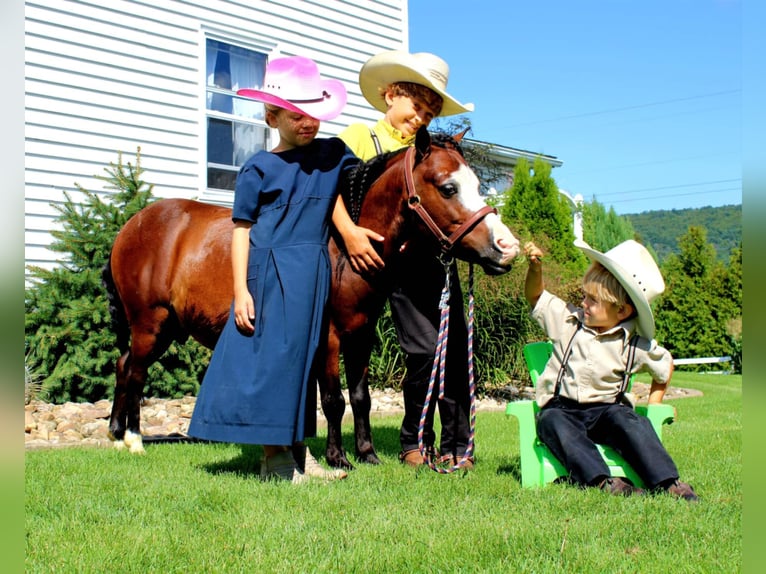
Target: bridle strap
413, 201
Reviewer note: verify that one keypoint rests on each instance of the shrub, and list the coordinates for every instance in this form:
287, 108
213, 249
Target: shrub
67, 331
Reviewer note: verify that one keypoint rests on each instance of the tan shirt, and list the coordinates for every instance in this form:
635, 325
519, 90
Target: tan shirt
595, 368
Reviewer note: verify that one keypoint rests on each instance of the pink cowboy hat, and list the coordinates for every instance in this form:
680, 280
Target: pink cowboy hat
294, 84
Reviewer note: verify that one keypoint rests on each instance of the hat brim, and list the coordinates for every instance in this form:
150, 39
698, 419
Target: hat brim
380, 72
326, 109
645, 319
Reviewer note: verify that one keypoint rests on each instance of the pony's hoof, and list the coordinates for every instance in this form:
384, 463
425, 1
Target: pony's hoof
369, 458
119, 444
341, 463
134, 442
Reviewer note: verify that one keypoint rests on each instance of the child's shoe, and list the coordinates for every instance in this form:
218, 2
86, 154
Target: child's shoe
311, 467
619, 487
682, 490
282, 466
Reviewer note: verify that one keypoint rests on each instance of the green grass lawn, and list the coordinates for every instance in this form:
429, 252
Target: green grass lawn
201, 508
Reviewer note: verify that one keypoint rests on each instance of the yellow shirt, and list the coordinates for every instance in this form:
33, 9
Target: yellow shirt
359, 140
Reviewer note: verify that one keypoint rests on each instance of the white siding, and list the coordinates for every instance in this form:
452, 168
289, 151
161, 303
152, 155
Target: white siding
105, 77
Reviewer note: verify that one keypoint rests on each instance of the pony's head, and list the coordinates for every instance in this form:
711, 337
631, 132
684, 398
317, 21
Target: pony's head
448, 191
428, 194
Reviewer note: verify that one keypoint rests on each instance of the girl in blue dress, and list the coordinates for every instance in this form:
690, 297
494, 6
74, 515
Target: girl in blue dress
258, 388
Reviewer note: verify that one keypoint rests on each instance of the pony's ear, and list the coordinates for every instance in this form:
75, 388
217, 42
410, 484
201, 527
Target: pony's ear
423, 141
459, 136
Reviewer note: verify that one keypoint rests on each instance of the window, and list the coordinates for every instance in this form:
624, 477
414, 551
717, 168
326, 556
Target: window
235, 126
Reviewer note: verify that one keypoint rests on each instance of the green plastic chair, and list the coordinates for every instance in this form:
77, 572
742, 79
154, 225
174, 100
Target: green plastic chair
538, 465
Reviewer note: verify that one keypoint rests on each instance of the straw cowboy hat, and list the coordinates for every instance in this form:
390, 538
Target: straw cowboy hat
635, 269
398, 66
294, 84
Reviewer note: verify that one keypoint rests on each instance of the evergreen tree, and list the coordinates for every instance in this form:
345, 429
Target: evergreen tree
733, 287
695, 314
535, 206
604, 229
68, 335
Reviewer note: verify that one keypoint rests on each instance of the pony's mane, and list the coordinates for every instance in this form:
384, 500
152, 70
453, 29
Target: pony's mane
358, 180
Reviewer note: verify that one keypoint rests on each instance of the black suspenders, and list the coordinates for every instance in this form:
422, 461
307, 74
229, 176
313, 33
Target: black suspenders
376, 142
565, 360
628, 367
625, 377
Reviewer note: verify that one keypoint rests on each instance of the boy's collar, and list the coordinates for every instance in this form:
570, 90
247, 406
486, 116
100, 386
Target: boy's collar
395, 133
628, 326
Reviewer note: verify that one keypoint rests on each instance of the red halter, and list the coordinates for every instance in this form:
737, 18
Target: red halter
446, 243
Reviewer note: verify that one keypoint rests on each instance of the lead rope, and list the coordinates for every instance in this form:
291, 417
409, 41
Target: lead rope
439, 368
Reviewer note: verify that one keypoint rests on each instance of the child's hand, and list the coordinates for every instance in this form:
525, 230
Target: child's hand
533, 252
361, 253
244, 313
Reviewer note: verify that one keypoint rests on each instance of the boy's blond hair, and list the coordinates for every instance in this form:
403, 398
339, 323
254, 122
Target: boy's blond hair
413, 90
605, 286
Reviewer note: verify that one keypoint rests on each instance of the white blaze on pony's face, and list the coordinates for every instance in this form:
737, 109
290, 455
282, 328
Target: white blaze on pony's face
503, 240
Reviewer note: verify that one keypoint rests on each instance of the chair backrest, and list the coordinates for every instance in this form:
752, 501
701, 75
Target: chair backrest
536, 355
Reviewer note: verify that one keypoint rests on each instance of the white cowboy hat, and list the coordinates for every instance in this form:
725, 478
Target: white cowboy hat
637, 272
294, 84
398, 66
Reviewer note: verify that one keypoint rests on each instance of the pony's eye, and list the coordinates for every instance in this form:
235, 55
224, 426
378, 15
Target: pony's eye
448, 190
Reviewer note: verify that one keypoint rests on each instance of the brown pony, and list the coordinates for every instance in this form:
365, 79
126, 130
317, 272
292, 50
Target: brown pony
169, 276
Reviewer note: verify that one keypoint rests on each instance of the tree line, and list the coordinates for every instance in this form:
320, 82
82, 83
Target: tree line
71, 349
662, 228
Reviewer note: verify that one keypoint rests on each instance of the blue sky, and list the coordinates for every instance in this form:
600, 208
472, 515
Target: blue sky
640, 100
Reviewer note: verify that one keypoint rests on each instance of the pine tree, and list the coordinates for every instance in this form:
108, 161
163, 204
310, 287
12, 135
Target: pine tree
535, 210
604, 229
695, 314
68, 335
535, 207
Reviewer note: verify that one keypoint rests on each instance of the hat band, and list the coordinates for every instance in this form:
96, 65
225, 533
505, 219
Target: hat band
324, 97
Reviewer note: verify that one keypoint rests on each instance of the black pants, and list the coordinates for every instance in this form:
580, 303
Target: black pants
416, 314
571, 429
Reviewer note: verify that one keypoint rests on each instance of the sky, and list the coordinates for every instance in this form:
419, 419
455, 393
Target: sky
640, 100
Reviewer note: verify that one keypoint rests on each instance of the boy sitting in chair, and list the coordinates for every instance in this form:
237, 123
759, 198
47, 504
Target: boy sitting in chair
596, 348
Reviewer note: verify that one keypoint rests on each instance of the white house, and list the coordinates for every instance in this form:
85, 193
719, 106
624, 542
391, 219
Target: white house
108, 77
105, 78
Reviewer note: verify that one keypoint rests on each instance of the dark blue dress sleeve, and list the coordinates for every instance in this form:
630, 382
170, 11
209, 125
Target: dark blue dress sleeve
247, 193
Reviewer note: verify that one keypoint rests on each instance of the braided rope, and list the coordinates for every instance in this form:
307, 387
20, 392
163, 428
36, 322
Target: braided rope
439, 368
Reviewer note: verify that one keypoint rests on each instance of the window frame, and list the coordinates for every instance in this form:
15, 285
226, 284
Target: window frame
255, 43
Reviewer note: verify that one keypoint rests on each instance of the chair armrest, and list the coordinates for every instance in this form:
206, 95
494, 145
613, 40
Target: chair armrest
525, 411
658, 415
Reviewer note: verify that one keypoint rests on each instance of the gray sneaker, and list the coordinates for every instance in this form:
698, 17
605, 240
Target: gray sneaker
311, 467
282, 466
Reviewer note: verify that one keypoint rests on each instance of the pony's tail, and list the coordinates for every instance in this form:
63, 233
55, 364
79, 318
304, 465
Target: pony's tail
119, 324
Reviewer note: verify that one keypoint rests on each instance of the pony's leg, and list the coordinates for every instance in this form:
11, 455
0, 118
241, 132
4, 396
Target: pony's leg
125, 421
118, 418
356, 354
333, 403
149, 340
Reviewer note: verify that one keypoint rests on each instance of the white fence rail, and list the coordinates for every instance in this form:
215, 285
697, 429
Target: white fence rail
701, 360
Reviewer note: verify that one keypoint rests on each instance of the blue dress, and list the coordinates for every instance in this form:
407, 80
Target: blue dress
257, 388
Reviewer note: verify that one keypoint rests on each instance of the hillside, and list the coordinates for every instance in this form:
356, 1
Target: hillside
662, 228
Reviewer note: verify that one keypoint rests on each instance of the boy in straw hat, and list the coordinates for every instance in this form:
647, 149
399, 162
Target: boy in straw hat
410, 90
596, 347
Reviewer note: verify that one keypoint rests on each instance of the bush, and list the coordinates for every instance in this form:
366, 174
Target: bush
68, 336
